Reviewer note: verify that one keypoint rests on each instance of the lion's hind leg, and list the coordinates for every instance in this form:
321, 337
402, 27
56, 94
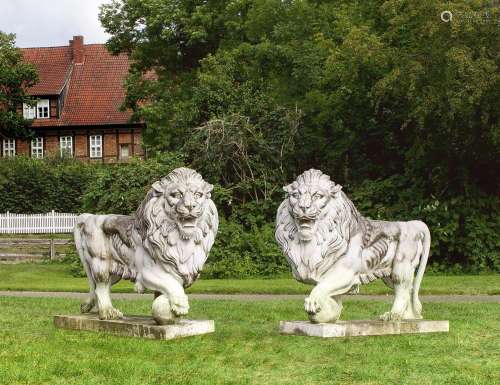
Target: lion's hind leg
90, 303
103, 282
401, 305
402, 278
106, 309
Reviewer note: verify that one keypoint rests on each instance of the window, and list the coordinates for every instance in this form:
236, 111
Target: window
95, 146
37, 148
43, 109
66, 145
29, 112
9, 147
124, 151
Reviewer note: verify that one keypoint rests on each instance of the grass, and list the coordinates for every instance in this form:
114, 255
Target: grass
57, 277
30, 249
247, 349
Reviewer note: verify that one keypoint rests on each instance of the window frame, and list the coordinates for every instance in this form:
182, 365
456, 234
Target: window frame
37, 147
29, 112
122, 146
40, 105
63, 145
8, 147
95, 146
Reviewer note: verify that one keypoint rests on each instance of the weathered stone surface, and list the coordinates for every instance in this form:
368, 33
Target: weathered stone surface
163, 247
327, 242
362, 328
135, 326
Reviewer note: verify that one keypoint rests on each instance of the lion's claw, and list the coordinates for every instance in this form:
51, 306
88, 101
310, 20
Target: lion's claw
391, 316
110, 313
312, 305
180, 304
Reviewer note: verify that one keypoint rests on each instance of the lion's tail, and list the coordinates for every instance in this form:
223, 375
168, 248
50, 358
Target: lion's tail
79, 236
426, 245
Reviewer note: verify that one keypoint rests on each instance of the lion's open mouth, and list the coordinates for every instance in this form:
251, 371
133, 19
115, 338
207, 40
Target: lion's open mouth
305, 223
187, 222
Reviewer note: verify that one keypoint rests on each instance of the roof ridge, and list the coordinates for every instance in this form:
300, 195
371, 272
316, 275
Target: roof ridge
56, 46
63, 46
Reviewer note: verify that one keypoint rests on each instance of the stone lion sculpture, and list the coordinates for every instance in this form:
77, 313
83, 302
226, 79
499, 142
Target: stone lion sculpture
328, 243
163, 247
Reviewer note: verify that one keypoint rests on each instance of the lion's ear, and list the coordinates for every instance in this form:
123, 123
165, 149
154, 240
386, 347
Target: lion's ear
288, 189
335, 190
208, 187
158, 187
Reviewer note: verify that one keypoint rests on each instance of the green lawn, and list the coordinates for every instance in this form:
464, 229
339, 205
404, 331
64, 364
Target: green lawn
247, 349
56, 277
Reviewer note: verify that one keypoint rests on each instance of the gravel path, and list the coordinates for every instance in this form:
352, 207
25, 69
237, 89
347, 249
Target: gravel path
258, 297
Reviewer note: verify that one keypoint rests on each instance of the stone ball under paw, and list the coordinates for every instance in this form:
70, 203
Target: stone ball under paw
162, 312
331, 308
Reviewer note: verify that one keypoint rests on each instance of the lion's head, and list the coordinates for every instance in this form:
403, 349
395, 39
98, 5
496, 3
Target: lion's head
314, 224
178, 222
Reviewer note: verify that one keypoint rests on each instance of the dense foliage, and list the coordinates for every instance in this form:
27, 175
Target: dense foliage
15, 77
394, 103
465, 232
38, 186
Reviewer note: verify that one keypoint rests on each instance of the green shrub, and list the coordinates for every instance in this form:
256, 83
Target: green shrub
240, 253
119, 189
40, 185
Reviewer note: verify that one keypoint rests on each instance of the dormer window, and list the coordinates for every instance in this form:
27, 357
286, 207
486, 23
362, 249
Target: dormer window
43, 109
29, 112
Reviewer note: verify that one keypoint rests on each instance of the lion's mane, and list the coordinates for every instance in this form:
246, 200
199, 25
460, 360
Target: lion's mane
163, 240
310, 260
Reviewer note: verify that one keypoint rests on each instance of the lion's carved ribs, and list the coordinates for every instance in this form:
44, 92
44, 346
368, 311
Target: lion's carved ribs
162, 247
329, 243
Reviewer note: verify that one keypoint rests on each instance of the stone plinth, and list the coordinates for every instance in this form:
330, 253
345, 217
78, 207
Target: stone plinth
135, 326
362, 328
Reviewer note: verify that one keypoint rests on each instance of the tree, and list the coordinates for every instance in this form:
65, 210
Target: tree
15, 77
383, 95
389, 75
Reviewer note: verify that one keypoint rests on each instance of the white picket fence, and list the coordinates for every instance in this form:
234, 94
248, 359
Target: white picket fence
37, 223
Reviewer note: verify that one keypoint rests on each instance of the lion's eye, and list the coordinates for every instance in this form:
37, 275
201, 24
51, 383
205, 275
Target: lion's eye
176, 195
198, 195
317, 196
295, 195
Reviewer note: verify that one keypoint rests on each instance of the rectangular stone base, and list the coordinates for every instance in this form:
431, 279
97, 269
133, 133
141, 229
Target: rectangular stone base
135, 326
362, 328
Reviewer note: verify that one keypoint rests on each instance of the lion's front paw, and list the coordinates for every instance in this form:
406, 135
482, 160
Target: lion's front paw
110, 313
180, 304
313, 304
391, 316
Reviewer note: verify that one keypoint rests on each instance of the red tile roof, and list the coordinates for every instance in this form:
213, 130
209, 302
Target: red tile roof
94, 88
53, 66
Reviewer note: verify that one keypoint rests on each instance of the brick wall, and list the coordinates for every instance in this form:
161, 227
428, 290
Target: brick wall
51, 145
81, 147
138, 150
22, 147
110, 155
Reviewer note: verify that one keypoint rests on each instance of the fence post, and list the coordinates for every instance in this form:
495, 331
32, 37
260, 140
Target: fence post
53, 222
52, 251
8, 223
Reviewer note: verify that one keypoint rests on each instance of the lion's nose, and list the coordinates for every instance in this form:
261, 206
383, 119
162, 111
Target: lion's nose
304, 203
